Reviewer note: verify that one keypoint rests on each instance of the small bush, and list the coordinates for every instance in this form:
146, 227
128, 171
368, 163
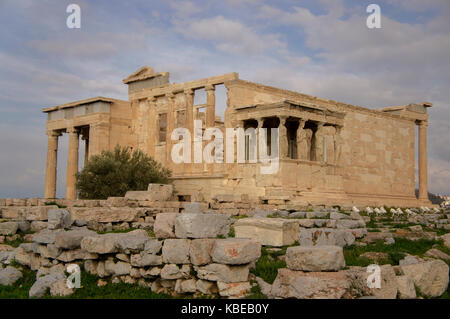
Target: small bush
114, 173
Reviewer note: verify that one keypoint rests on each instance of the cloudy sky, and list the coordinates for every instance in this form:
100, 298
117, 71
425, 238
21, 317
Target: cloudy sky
320, 47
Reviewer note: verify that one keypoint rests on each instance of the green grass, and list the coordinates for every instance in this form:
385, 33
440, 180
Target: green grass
88, 290
395, 252
255, 292
267, 266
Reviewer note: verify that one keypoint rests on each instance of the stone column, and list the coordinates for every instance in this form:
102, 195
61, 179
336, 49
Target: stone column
50, 173
319, 143
189, 123
170, 127
423, 165
337, 144
282, 138
301, 140
210, 106
72, 164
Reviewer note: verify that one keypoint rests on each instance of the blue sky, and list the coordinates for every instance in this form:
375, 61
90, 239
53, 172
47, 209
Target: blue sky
320, 47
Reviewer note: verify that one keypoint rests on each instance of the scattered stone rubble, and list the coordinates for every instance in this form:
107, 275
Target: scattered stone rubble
185, 247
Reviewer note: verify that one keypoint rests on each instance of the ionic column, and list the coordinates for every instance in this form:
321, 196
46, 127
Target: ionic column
170, 126
210, 106
423, 165
189, 122
50, 172
72, 164
282, 138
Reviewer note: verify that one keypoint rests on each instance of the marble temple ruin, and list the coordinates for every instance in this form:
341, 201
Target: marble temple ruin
330, 153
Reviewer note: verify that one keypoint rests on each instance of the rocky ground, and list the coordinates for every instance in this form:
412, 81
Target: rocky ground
316, 253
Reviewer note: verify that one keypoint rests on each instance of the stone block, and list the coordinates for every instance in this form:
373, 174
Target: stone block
59, 218
164, 226
8, 228
176, 251
200, 251
319, 258
224, 273
268, 231
193, 208
236, 251
310, 285
201, 225
325, 237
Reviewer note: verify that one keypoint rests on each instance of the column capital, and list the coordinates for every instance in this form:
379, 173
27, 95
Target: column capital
301, 123
72, 130
189, 91
152, 99
209, 88
283, 119
53, 133
423, 123
171, 96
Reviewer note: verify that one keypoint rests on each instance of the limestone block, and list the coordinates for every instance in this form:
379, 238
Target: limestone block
350, 223
144, 259
9, 276
75, 254
430, 277
405, 286
268, 231
72, 239
325, 236
154, 193
59, 218
202, 225
37, 225
234, 289
164, 226
8, 228
319, 258
172, 271
107, 214
119, 268
42, 284
193, 208
224, 273
46, 236
236, 251
312, 285
200, 251
103, 244
59, 288
306, 223
184, 286
176, 251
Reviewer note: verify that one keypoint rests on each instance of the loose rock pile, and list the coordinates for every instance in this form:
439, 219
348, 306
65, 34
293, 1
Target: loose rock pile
188, 247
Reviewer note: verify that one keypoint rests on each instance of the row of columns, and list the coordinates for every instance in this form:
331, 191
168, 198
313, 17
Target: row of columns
72, 162
301, 137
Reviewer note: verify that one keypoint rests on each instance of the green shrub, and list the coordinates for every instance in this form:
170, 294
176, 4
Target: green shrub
114, 173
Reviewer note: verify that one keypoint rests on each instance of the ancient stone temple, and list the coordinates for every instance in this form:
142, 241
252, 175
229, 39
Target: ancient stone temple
329, 152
